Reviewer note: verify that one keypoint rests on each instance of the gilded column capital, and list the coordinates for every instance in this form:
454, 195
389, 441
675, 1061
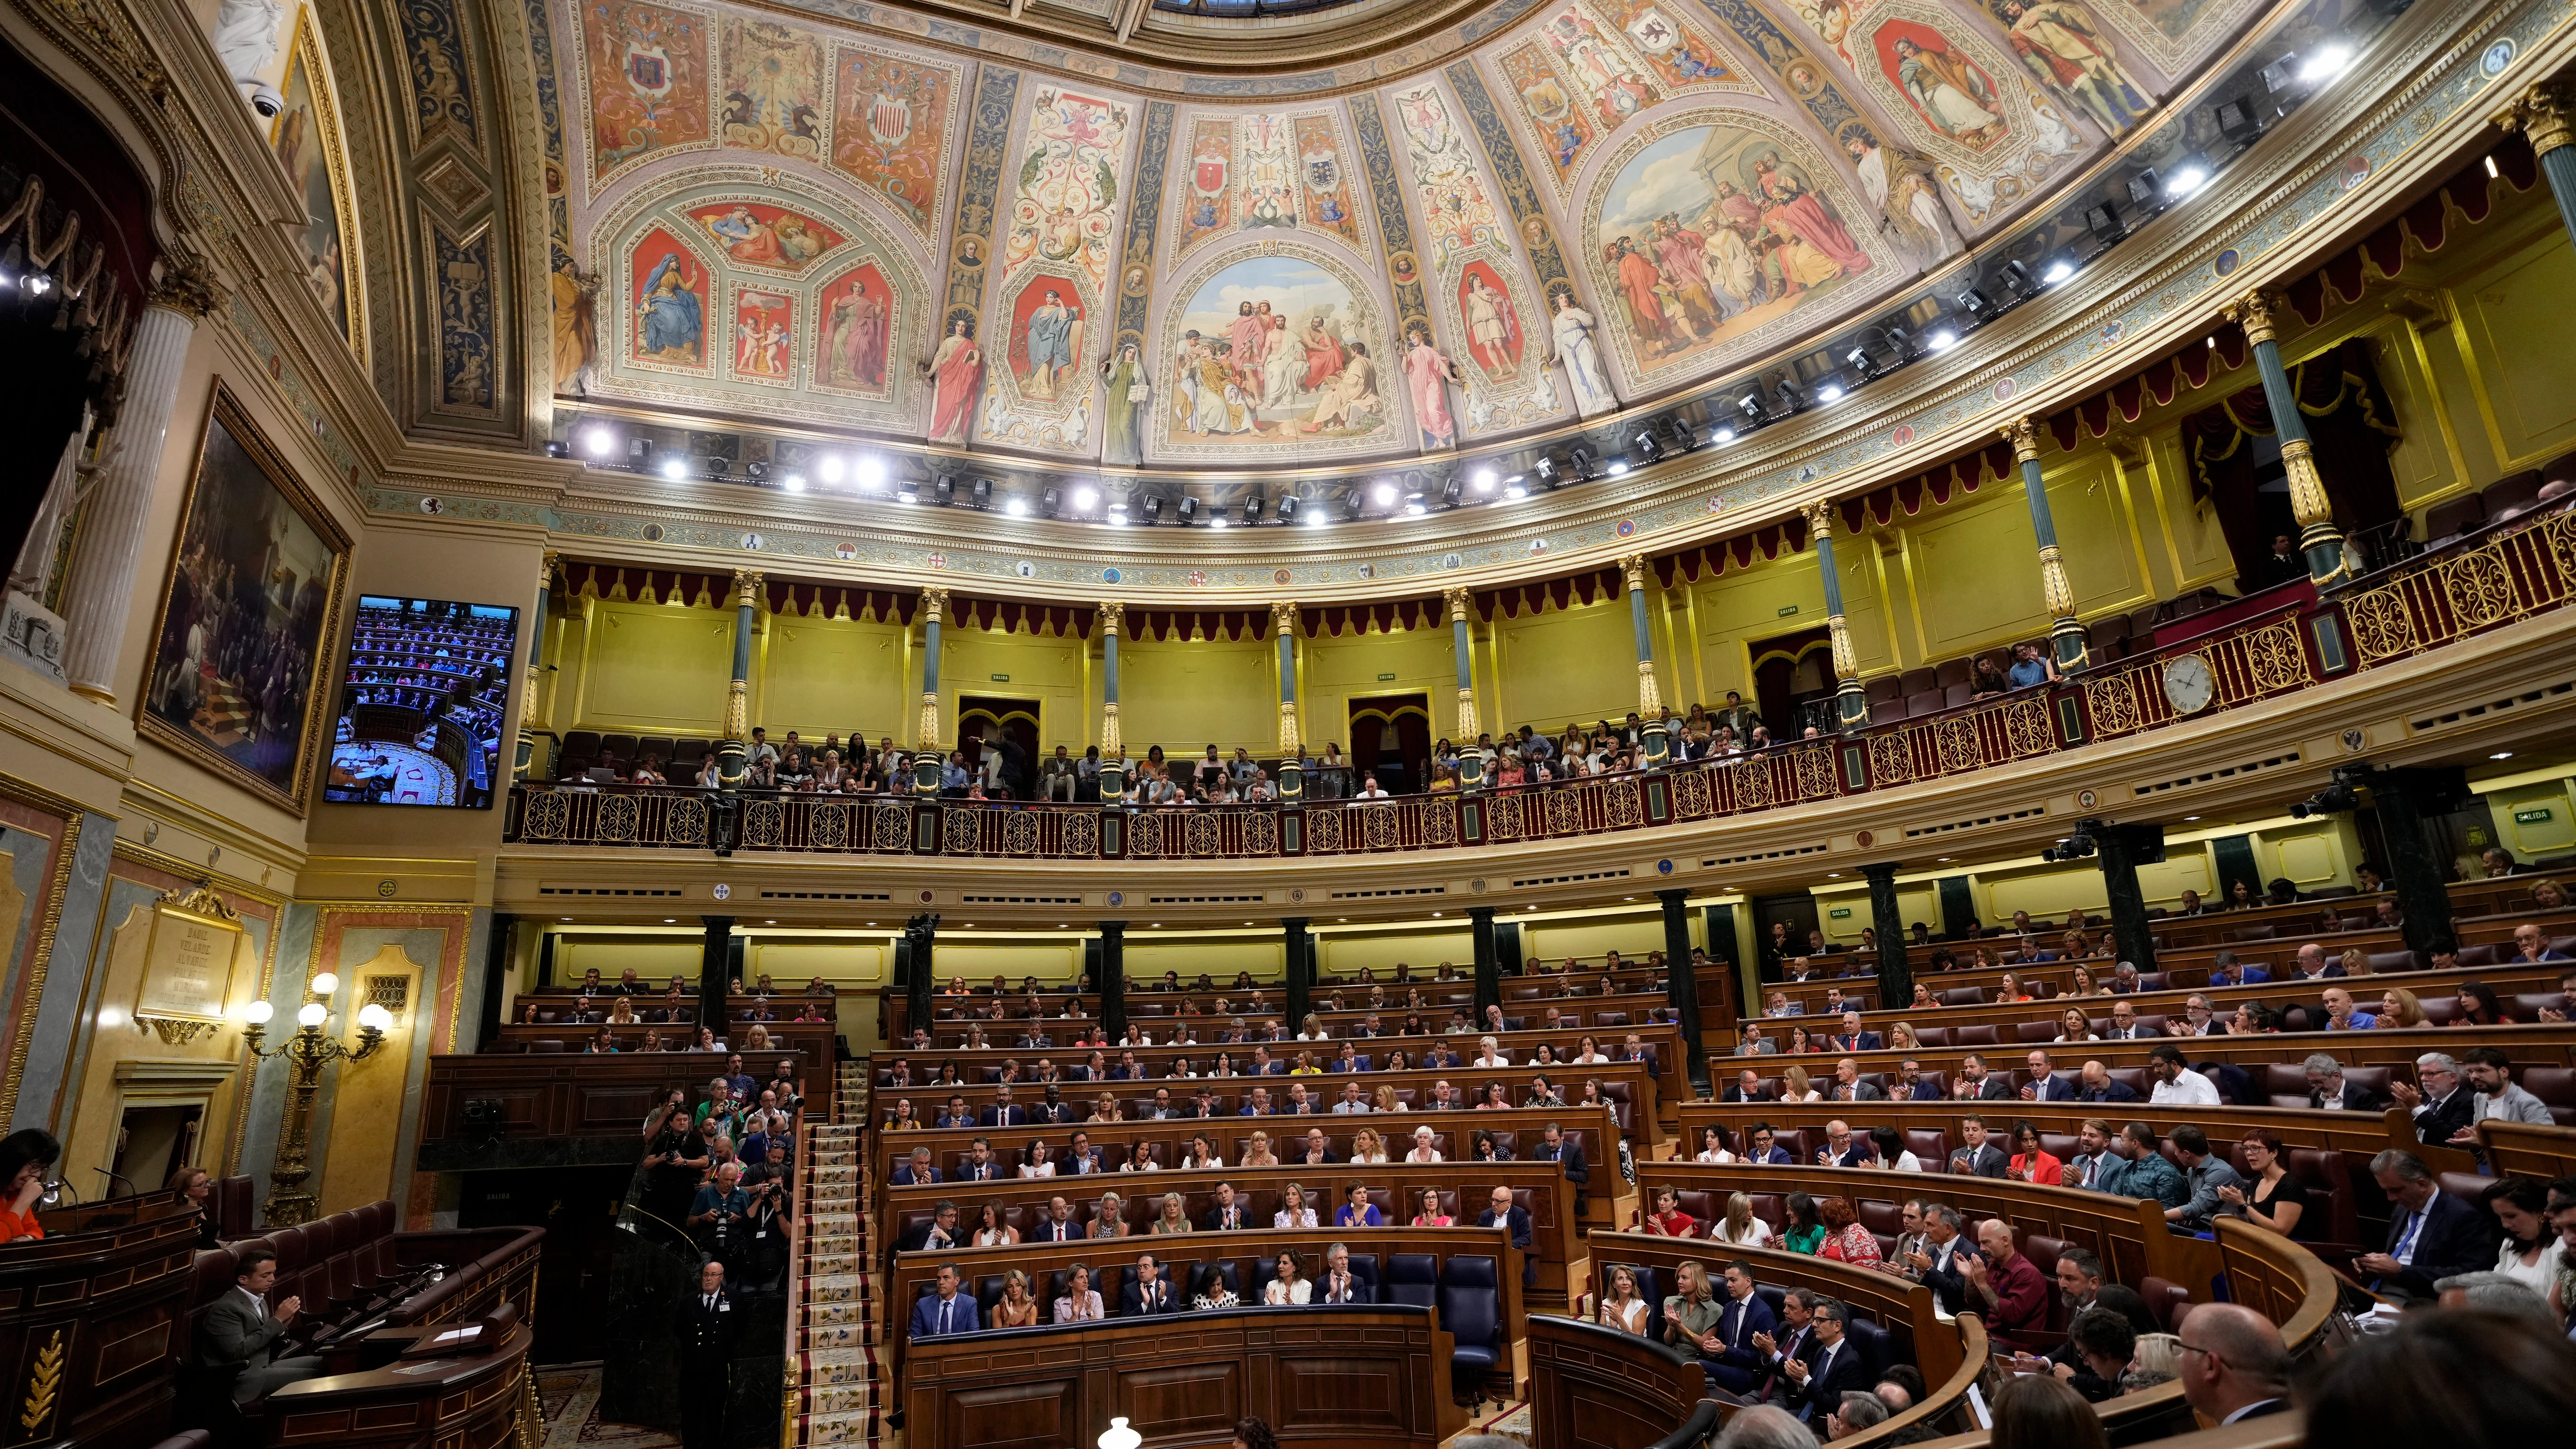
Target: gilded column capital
547, 565
2542, 112
1820, 519
746, 588
934, 602
1283, 616
2023, 434
1633, 566
1461, 601
2258, 312
1113, 616
187, 286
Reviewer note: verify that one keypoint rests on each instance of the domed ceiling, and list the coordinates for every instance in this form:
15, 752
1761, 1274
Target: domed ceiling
990, 225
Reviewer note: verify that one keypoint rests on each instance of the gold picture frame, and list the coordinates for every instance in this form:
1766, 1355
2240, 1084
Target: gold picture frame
190, 960
252, 539
307, 142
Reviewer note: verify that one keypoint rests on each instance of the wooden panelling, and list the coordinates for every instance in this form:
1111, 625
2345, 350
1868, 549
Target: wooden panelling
575, 1107
1599, 1388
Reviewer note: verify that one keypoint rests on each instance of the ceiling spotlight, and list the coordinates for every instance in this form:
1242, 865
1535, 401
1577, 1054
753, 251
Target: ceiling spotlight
756, 470
2187, 178
1975, 303
1383, 495
831, 469
2103, 220
1618, 468
597, 441
1941, 340
1583, 461
1484, 480
1051, 502
795, 482
2057, 269
1252, 510
1680, 434
1829, 391
639, 453
1153, 508
1118, 515
1791, 399
1287, 510
558, 448
1643, 449
1550, 475
1450, 491
1515, 486
1721, 435
675, 467
943, 489
983, 493
871, 474
1189, 510
907, 491
2147, 190
2015, 276
1414, 506
1751, 406
2326, 64
1017, 507
1085, 498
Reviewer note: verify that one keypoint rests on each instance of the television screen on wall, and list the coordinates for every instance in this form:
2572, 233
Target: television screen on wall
422, 703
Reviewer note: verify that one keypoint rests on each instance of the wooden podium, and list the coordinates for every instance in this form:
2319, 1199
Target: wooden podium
92, 1317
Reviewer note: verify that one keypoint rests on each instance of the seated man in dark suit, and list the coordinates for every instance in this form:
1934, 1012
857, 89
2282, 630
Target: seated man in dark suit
2431, 1234
916, 1170
1912, 1085
1744, 1315
2045, 1085
946, 1311
1555, 1148
1852, 1039
1976, 1084
1500, 1211
1748, 1088
1816, 1385
1149, 1293
955, 1114
941, 1231
1004, 1112
241, 1330
2226, 970
1229, 1215
2441, 1102
2327, 1088
1982, 1156
1764, 1150
2098, 1085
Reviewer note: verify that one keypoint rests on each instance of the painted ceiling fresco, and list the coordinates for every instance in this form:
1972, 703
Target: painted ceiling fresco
848, 224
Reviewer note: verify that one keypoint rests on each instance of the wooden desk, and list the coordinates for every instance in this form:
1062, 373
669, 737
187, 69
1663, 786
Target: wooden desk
1591, 1128
475, 1401
97, 1309
1322, 1378
1599, 1387
2520, 1149
978, 1267
1539, 1187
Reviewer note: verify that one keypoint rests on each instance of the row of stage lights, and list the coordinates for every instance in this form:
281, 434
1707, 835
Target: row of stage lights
2240, 121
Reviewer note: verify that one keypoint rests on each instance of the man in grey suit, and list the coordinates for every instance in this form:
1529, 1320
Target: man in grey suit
240, 1331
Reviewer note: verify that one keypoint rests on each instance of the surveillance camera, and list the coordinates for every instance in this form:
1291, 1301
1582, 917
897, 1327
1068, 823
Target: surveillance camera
265, 99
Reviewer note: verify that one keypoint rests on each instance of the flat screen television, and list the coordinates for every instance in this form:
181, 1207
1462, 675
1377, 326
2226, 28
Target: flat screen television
422, 703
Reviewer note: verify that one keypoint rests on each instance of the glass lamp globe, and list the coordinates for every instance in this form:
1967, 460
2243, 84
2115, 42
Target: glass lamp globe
1119, 1436
374, 1017
326, 984
311, 1014
258, 1013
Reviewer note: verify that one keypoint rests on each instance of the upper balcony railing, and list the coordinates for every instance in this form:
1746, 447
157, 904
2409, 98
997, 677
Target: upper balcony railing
2519, 568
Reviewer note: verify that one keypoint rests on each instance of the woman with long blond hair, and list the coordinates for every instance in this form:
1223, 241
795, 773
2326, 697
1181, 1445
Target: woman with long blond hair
2399, 1008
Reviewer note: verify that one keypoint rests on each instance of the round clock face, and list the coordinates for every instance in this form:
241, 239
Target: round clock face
2189, 684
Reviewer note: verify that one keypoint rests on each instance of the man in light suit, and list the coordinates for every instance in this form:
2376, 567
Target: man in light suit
1755, 1044
241, 1331
2045, 1084
1982, 1156
1150, 1293
1852, 1039
946, 1311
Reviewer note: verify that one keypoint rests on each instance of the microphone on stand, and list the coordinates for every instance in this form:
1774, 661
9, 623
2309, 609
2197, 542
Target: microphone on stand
130, 1189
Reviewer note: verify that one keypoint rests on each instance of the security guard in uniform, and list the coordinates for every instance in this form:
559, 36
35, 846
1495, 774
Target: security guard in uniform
706, 1333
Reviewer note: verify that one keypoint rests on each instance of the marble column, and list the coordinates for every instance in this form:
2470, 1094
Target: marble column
527, 749
102, 586
929, 757
733, 752
2543, 112
1887, 922
2065, 636
1853, 707
1113, 768
2258, 312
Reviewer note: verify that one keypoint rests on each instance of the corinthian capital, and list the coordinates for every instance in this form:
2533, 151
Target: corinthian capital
934, 601
1820, 519
1113, 617
1460, 600
1633, 566
2023, 434
187, 286
746, 588
2542, 112
2258, 312
1283, 616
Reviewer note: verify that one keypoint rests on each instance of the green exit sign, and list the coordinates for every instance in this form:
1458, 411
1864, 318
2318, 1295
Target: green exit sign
1001, 679
1785, 611
1390, 679
2531, 817
1840, 913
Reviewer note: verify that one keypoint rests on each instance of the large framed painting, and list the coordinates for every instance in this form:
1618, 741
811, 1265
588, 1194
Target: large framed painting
306, 137
254, 584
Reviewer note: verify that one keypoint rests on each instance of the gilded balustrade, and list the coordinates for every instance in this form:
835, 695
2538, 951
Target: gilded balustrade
2482, 583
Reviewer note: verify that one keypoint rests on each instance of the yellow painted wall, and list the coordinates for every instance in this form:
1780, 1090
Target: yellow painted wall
1186, 696
2512, 309
832, 677
2555, 835
655, 669
1265, 956
1577, 664
1041, 668
1336, 671
368, 1097
1741, 606
1343, 954
1630, 934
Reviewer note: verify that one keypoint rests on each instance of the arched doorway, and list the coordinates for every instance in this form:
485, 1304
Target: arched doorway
1391, 735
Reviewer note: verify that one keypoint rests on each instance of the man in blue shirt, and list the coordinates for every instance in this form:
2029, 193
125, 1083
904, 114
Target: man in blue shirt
2030, 667
946, 1311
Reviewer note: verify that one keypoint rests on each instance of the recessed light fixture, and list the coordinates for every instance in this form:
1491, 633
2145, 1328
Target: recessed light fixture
872, 474
1484, 480
1017, 508
1618, 468
2501, 755
1833, 875
2187, 178
1382, 495
1942, 340
2057, 270
1084, 498
599, 442
675, 467
2326, 64
795, 482
1722, 435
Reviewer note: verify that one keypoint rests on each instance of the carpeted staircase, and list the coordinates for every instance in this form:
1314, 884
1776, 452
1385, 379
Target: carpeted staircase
836, 1370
